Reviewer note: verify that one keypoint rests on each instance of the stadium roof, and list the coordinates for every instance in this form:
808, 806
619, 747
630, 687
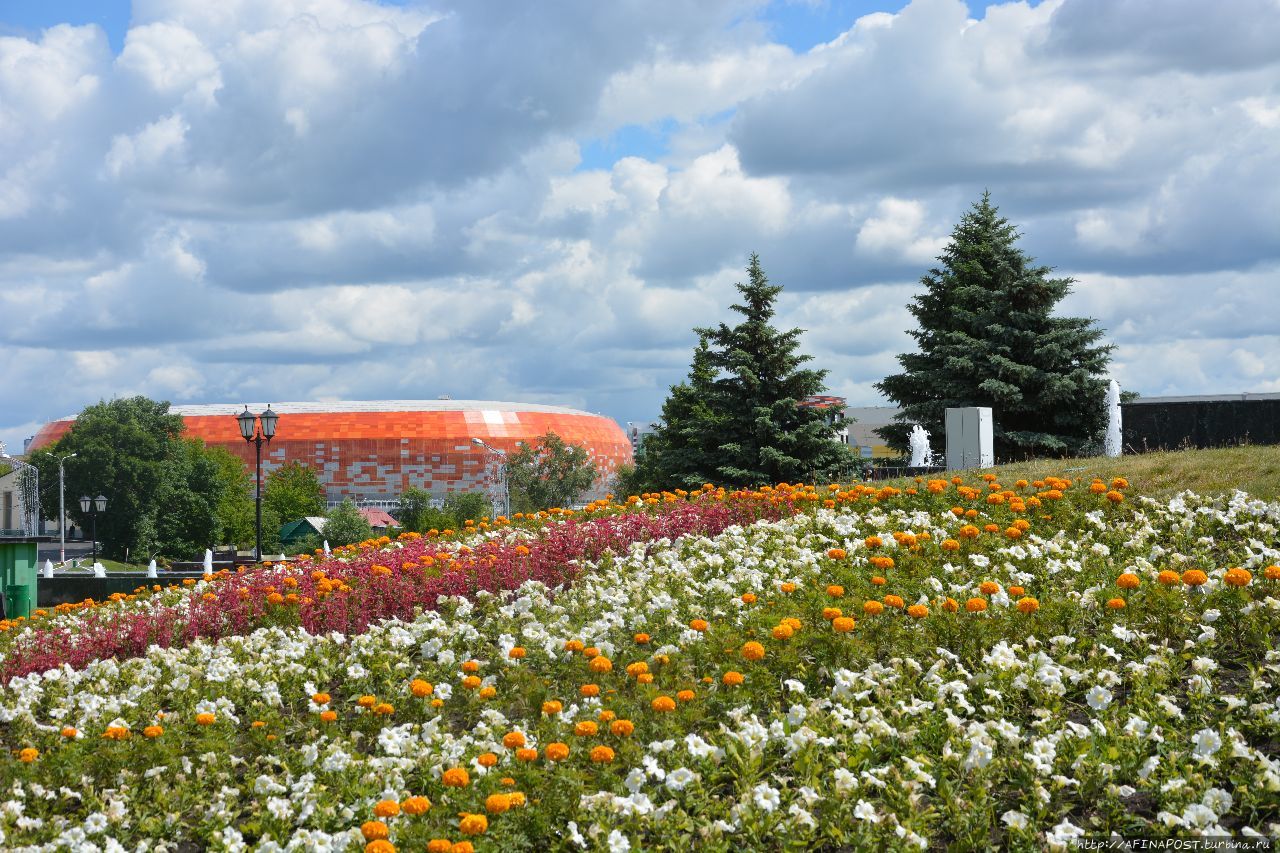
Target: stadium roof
316, 407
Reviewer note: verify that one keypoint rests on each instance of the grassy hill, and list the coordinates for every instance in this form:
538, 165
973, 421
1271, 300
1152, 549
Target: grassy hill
1253, 469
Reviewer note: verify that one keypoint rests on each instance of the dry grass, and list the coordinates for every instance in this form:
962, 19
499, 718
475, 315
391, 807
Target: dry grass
1253, 469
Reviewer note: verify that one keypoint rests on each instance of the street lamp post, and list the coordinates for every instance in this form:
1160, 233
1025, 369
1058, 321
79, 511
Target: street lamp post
93, 506
506, 484
257, 430
62, 512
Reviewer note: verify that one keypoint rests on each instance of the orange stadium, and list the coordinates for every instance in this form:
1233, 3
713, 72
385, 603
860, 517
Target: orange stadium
372, 451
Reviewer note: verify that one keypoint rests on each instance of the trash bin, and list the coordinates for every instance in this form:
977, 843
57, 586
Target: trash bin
18, 578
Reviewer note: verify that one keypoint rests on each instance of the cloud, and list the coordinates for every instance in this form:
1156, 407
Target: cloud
341, 198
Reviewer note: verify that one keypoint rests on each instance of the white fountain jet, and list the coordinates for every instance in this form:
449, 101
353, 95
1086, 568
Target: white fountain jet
1113, 441
918, 441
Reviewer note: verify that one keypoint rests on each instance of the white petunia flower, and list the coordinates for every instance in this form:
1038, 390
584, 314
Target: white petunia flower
766, 797
1099, 698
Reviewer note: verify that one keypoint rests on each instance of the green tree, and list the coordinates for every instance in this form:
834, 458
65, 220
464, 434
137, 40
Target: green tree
345, 525
548, 473
464, 506
293, 491
235, 510
987, 336
682, 450
415, 509
737, 421
129, 451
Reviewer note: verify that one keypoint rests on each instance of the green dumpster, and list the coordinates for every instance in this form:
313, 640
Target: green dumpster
18, 578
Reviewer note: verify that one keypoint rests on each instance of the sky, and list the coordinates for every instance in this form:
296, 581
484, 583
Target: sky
342, 199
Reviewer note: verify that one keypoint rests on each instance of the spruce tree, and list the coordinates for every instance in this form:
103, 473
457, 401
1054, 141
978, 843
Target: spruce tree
764, 436
680, 452
987, 336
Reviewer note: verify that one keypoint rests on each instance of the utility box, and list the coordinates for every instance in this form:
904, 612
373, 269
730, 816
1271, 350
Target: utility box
18, 578
969, 438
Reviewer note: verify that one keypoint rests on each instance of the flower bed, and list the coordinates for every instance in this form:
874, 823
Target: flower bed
891, 673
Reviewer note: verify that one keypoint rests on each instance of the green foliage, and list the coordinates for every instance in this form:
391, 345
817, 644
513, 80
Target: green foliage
129, 451
548, 473
735, 420
417, 512
415, 509
293, 491
461, 506
235, 509
987, 337
345, 525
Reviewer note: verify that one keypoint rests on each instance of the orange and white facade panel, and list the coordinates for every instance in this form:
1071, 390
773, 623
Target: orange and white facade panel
374, 450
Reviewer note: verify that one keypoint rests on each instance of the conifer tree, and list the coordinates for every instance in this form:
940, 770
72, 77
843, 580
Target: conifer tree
987, 336
736, 421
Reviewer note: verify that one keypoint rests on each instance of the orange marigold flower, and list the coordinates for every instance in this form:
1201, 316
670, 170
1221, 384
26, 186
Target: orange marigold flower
28, 754
835, 591
455, 777
1115, 497
878, 581
950, 545
685, 695
872, 608
782, 632
328, 716
420, 688
1271, 573
917, 611
1016, 590
951, 605
641, 639
527, 754
622, 728
1128, 580
644, 678
589, 690
386, 808
367, 701
663, 704
1194, 577
471, 682
842, 625
1028, 605
975, 605
788, 587
894, 601
496, 803
1115, 603
557, 751
552, 707
473, 824
373, 830
517, 652
439, 845
416, 805
836, 553
601, 754
486, 759
988, 587
273, 597
153, 731
600, 663
881, 563
513, 740
830, 613
380, 845
69, 731
585, 728
471, 666
732, 678
383, 709
748, 598
753, 651
590, 652
573, 645
873, 542
1237, 577
968, 531
205, 719
1169, 578
462, 847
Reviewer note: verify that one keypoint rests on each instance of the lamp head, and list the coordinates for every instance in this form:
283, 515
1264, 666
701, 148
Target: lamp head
269, 419
245, 420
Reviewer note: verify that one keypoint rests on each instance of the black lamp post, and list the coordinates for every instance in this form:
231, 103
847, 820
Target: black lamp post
258, 429
93, 506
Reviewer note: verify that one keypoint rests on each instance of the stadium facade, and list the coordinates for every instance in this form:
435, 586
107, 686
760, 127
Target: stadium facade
373, 451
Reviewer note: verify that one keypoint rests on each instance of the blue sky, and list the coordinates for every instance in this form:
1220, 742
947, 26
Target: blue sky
255, 201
